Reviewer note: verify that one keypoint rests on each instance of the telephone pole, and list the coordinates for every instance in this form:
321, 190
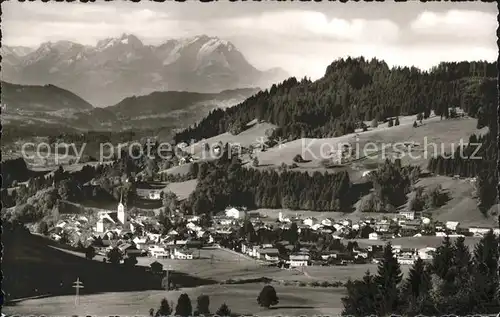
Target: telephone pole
77, 284
168, 277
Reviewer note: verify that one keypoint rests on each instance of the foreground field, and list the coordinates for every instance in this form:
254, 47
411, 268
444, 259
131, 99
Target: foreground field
241, 299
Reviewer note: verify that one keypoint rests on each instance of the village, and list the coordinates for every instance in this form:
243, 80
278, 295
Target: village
143, 236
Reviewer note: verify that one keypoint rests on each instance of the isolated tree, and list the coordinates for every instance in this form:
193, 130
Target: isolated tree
164, 309
374, 123
130, 260
415, 124
390, 123
298, 158
396, 123
90, 252
443, 259
114, 256
418, 282
267, 297
183, 307
223, 311
420, 117
362, 297
255, 162
203, 305
388, 278
43, 228
293, 233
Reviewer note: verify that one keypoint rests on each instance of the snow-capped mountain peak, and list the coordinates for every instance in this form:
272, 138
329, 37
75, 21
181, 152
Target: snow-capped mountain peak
121, 66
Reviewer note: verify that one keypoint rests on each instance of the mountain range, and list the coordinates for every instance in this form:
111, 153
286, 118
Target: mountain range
120, 67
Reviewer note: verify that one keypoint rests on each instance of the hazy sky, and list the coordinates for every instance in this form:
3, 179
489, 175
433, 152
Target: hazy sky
301, 37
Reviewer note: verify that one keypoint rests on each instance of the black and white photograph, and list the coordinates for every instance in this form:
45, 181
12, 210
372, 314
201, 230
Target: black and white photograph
249, 158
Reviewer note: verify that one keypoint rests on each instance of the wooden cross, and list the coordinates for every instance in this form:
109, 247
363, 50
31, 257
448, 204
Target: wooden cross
77, 285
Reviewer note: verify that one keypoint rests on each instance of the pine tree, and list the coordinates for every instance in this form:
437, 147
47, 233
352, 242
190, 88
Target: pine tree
416, 289
203, 305
419, 280
223, 311
362, 297
183, 307
164, 309
443, 259
462, 258
388, 278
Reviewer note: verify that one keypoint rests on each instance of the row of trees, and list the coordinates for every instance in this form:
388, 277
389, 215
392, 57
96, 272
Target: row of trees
266, 298
477, 158
224, 183
455, 282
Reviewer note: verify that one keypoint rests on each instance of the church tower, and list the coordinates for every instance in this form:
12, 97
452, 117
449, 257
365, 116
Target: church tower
122, 213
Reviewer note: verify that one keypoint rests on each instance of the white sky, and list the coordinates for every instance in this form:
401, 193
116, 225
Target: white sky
303, 38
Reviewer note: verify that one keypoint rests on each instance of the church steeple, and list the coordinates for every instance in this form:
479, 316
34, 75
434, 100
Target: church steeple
121, 212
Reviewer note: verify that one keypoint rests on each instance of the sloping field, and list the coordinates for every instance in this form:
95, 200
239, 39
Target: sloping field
182, 189
253, 135
462, 206
33, 266
443, 133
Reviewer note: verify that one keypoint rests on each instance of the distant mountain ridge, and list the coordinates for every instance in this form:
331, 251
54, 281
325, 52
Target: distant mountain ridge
116, 68
51, 106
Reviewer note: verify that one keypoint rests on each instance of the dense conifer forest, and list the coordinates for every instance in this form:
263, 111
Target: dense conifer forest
352, 90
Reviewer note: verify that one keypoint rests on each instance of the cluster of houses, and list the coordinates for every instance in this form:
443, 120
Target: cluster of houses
131, 235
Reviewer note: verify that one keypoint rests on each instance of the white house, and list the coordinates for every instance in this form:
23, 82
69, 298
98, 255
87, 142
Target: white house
310, 221
316, 226
158, 252
297, 260
233, 213
426, 253
182, 254
327, 222
410, 215
347, 222
479, 231
366, 173
270, 254
154, 195
406, 260
452, 225
373, 236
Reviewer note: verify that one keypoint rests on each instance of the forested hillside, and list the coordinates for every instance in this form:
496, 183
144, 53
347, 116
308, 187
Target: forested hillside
353, 90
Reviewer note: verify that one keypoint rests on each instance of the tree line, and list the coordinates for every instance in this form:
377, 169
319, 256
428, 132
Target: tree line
355, 90
455, 282
223, 183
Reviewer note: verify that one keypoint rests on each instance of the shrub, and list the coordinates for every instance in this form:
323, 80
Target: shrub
183, 307
267, 297
374, 123
203, 305
223, 310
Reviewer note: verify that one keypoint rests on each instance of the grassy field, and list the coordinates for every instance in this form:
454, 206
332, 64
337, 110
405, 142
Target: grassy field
182, 189
218, 264
241, 299
416, 242
445, 133
255, 134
